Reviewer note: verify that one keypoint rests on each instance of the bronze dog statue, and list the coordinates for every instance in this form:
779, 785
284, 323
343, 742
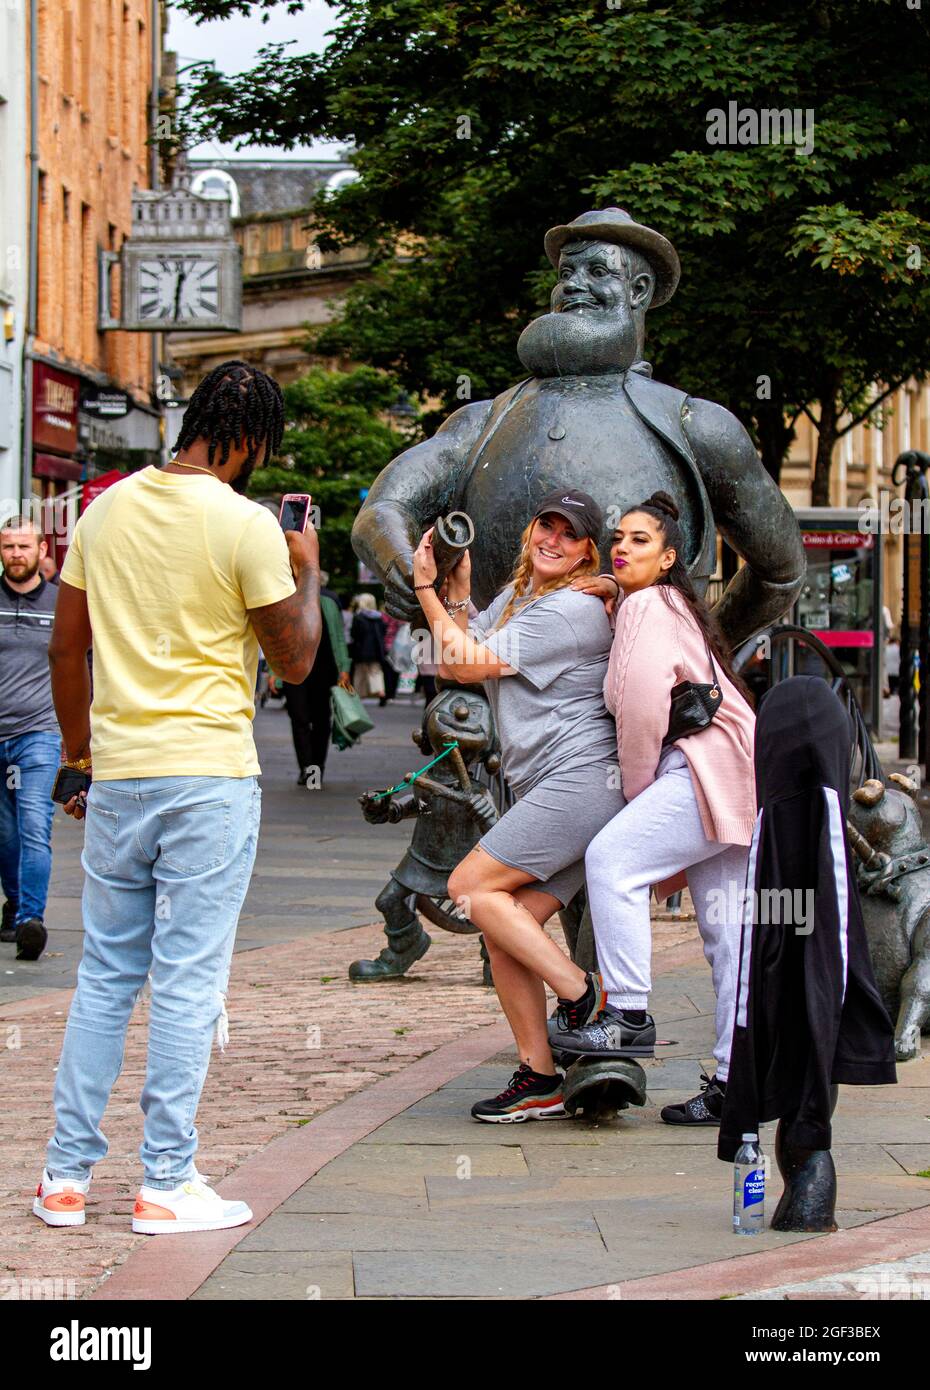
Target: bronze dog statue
894, 882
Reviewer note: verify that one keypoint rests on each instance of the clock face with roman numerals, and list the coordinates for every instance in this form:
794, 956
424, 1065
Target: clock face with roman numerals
179, 289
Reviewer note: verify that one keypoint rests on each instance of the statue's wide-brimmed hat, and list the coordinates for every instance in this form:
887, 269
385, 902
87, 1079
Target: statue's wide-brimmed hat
617, 226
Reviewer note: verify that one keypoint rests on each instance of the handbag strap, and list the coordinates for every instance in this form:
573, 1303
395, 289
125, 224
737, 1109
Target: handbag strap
710, 658
710, 655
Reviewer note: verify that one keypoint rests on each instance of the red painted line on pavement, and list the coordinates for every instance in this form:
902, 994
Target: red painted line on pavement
174, 1267
888, 1238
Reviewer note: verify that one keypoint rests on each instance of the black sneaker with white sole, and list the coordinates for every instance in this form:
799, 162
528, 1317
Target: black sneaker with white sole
703, 1109
614, 1033
531, 1095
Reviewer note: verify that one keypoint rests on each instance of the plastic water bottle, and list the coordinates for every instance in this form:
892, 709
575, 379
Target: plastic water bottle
749, 1188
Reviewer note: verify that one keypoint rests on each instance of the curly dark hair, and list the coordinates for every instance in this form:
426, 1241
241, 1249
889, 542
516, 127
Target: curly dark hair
234, 404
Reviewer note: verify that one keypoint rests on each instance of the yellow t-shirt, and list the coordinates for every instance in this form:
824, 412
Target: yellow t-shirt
170, 565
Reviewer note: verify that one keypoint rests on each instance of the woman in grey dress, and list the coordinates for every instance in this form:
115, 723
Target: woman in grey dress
541, 650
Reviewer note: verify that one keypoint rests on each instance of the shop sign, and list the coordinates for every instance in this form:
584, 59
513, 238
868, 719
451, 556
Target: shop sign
55, 397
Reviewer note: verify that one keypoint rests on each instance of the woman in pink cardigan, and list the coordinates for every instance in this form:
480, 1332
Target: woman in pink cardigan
691, 805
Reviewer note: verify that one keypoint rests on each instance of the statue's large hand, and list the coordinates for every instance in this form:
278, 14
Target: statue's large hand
399, 597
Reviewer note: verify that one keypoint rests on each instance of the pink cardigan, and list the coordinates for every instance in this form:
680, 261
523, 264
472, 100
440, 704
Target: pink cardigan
657, 644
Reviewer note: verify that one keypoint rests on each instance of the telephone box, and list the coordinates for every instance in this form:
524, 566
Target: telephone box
841, 601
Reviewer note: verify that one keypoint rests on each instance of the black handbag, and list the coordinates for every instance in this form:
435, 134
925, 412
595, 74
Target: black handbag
693, 705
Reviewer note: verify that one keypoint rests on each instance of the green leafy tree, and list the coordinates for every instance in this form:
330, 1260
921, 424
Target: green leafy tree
336, 441
478, 125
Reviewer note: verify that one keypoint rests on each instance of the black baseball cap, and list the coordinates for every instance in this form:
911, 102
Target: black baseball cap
578, 508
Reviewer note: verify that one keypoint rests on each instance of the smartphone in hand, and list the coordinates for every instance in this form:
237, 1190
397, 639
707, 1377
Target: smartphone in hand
295, 511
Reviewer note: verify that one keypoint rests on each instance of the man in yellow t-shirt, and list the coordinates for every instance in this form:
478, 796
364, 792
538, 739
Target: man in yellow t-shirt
176, 578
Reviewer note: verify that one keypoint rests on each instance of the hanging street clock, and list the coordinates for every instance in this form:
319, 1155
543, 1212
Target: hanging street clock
181, 268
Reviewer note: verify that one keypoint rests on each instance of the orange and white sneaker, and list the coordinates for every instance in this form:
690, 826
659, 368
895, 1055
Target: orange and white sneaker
193, 1206
60, 1201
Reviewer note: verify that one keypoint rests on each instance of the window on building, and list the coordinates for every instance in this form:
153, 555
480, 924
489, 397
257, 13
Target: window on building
67, 279
67, 50
274, 236
142, 110
44, 258
87, 54
88, 288
126, 81
112, 75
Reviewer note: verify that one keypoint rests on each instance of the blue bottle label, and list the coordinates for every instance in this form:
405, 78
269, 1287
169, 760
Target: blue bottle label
754, 1187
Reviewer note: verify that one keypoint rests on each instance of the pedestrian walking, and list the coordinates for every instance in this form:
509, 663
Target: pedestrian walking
366, 647
30, 743
690, 805
388, 669
309, 704
176, 577
48, 569
541, 650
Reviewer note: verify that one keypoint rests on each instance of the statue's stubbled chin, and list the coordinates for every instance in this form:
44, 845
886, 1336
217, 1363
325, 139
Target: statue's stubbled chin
578, 343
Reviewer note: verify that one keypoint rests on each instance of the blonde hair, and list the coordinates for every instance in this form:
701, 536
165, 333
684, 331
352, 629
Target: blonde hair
523, 574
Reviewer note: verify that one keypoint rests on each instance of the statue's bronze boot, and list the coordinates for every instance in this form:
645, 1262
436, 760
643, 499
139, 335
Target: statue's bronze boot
809, 1200
394, 961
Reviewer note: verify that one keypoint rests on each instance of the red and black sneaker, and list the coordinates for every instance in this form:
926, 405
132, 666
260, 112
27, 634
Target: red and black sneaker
531, 1095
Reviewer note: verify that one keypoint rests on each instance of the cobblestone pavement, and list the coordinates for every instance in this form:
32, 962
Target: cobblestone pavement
301, 1038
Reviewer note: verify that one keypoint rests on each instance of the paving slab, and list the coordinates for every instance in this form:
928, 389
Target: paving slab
913, 1158
299, 1231
557, 1190
443, 1160
486, 1274
459, 1128
314, 1276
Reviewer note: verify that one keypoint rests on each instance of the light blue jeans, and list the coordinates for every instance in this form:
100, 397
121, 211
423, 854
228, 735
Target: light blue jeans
167, 862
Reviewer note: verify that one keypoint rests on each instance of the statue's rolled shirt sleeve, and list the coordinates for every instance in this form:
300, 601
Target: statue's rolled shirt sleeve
753, 516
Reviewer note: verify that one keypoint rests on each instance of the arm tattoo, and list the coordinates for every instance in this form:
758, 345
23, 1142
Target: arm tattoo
289, 632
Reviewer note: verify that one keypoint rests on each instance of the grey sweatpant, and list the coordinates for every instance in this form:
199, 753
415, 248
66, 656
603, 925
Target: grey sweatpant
654, 837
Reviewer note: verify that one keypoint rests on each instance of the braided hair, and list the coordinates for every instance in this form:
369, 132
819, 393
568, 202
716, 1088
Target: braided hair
234, 404
664, 512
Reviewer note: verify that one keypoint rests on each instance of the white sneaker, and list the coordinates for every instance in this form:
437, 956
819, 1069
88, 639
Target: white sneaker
60, 1201
194, 1206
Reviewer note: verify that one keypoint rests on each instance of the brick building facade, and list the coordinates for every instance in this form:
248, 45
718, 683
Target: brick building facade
95, 64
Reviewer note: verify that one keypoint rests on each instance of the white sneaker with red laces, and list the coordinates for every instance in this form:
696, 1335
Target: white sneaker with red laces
193, 1206
60, 1201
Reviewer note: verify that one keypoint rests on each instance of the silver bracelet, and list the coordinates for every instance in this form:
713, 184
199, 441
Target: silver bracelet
457, 607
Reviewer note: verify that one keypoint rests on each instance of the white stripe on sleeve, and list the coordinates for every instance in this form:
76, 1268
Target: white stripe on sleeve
749, 897
840, 879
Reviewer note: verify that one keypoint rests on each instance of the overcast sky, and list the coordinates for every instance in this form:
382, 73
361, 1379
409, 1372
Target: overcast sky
233, 45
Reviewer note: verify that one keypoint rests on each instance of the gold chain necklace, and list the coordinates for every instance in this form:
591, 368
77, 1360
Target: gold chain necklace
177, 463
